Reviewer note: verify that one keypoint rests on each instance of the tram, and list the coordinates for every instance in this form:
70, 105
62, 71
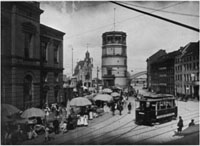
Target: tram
155, 108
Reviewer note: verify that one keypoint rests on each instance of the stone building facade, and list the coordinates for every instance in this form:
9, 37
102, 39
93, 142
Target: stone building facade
83, 71
51, 45
21, 63
187, 71
114, 59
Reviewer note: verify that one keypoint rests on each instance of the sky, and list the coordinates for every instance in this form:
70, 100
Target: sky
84, 22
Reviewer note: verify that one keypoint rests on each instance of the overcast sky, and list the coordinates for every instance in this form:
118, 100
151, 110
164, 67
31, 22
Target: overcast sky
85, 22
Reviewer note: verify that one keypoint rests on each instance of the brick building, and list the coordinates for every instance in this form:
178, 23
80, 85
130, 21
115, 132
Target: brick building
162, 74
30, 52
150, 61
187, 71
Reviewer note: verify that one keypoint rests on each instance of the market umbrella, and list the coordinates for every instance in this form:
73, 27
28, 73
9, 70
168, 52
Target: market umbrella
33, 112
115, 94
90, 97
103, 97
80, 101
107, 90
91, 89
21, 121
8, 109
5, 119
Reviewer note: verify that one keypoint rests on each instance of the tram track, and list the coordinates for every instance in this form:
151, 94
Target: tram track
121, 134
144, 132
89, 132
105, 133
116, 129
85, 136
97, 130
171, 130
126, 125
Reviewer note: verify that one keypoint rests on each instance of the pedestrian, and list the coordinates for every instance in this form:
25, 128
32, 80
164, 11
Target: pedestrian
191, 123
46, 133
56, 126
113, 108
180, 125
120, 108
8, 136
129, 108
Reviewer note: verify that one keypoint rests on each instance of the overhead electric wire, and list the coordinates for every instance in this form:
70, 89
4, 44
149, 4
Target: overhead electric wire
152, 11
98, 28
156, 16
160, 10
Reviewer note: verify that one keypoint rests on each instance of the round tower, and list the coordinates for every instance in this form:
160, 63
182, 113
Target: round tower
114, 59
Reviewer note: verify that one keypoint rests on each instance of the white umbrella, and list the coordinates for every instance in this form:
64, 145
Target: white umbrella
91, 89
80, 101
33, 112
115, 94
103, 97
107, 90
8, 109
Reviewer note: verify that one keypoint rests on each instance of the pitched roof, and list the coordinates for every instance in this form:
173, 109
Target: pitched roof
79, 64
191, 48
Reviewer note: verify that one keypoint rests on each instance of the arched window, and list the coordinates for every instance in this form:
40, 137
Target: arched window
28, 94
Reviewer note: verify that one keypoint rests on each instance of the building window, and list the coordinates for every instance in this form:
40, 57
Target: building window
124, 61
56, 95
45, 77
56, 77
44, 49
87, 76
28, 45
109, 71
56, 54
28, 91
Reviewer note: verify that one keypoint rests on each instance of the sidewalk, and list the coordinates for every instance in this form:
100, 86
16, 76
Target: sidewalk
191, 136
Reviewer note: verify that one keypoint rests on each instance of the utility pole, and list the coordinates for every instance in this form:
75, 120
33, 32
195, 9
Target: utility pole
72, 61
97, 79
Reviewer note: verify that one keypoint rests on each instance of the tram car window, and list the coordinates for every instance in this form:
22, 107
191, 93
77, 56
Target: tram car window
156, 108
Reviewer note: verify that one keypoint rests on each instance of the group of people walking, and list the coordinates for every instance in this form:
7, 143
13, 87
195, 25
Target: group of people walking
119, 106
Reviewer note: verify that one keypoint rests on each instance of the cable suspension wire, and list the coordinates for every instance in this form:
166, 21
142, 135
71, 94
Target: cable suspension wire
151, 12
156, 16
161, 10
104, 26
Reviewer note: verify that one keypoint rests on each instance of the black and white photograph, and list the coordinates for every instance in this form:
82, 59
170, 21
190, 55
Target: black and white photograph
100, 72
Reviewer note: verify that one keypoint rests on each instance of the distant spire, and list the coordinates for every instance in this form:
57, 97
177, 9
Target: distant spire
87, 46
